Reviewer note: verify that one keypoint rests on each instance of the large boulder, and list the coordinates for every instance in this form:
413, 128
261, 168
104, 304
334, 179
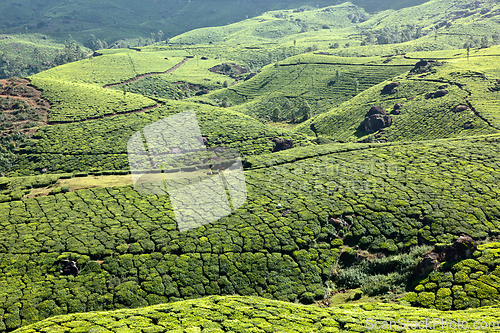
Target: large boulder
375, 110
281, 144
427, 264
390, 88
439, 93
463, 248
375, 123
375, 119
460, 108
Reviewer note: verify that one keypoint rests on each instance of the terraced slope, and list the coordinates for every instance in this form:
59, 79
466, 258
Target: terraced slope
252, 314
98, 145
471, 83
282, 243
320, 80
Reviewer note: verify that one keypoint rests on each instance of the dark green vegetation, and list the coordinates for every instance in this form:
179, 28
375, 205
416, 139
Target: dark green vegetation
59, 148
252, 314
344, 207
23, 55
468, 283
114, 20
131, 254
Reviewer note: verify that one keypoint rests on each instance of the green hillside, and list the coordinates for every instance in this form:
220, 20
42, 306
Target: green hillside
131, 254
467, 82
321, 81
369, 144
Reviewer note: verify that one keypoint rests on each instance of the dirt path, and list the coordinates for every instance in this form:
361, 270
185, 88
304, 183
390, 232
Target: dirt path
142, 76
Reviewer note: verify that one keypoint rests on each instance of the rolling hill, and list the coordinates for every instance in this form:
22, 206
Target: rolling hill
338, 209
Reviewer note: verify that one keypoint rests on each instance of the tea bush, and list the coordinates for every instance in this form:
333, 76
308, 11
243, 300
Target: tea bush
469, 283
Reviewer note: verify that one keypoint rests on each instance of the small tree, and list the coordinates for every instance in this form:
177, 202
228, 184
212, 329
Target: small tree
159, 35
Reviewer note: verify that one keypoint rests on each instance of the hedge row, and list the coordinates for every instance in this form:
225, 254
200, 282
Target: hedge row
469, 283
102, 144
234, 314
282, 243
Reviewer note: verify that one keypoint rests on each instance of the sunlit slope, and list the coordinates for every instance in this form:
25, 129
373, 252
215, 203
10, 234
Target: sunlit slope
470, 83
272, 26
114, 67
72, 101
253, 314
320, 80
433, 25
130, 252
101, 144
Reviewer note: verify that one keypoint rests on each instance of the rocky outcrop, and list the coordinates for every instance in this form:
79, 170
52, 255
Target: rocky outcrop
397, 108
281, 144
462, 248
460, 108
437, 94
375, 119
390, 88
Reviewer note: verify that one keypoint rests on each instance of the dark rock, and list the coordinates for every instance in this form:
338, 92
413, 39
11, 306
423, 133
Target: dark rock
69, 268
375, 122
463, 248
390, 88
443, 86
325, 26
375, 110
427, 264
460, 108
397, 108
202, 92
204, 58
440, 93
281, 144
421, 63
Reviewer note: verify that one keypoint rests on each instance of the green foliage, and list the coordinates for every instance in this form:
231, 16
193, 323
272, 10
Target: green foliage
79, 101
468, 283
422, 117
307, 85
22, 55
254, 314
106, 140
113, 68
377, 276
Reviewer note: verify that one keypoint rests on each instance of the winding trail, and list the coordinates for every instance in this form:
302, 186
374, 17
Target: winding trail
142, 76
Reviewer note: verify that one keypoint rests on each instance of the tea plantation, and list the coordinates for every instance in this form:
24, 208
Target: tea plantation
422, 116
360, 154
252, 314
280, 244
469, 283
